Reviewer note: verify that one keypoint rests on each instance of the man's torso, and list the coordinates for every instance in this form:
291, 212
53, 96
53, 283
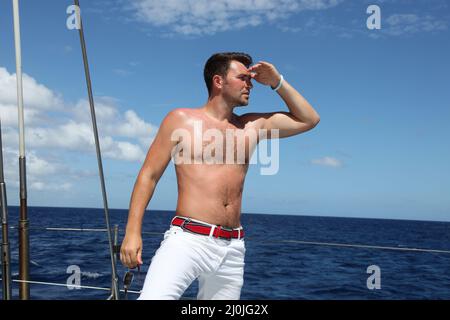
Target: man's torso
211, 163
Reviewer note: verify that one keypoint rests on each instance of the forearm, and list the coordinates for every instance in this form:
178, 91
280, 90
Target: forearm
142, 193
297, 104
266, 74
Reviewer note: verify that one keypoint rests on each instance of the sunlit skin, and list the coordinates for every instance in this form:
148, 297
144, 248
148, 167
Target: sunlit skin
212, 192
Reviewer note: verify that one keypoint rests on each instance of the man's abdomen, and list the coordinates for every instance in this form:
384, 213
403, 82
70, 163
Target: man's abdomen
211, 193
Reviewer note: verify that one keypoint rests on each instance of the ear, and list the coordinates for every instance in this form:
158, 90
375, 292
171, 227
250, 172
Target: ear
217, 81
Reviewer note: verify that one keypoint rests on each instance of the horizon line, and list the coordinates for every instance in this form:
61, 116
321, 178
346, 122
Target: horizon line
256, 213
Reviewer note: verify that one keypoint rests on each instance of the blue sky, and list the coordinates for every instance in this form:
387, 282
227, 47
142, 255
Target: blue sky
379, 151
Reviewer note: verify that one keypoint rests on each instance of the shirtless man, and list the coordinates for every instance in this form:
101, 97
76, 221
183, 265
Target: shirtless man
206, 240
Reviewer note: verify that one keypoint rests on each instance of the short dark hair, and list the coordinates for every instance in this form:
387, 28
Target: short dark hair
219, 64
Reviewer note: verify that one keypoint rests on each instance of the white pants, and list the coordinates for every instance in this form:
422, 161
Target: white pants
183, 257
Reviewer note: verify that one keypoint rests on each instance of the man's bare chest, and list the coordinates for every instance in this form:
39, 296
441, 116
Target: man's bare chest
203, 143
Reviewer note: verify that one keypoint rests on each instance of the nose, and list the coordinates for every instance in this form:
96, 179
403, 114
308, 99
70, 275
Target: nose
249, 83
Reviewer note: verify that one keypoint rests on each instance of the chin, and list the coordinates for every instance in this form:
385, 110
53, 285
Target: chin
243, 103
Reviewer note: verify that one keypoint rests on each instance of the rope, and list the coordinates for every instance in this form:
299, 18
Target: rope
69, 285
363, 246
81, 229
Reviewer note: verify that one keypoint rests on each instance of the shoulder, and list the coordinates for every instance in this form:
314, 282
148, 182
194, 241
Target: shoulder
178, 113
177, 117
174, 119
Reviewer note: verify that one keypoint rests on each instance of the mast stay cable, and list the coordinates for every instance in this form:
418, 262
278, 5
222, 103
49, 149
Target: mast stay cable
115, 289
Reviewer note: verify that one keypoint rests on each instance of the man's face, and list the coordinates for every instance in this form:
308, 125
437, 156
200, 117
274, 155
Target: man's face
237, 84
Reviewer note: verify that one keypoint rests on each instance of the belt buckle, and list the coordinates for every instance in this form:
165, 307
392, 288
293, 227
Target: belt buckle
185, 222
228, 230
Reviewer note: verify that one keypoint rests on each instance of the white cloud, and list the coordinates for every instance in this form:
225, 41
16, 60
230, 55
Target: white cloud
70, 136
134, 126
327, 162
112, 123
205, 17
41, 186
199, 17
37, 100
400, 24
72, 129
123, 151
37, 95
42, 174
393, 25
39, 166
54, 128
122, 72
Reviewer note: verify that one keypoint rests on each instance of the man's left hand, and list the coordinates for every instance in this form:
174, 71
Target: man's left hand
265, 73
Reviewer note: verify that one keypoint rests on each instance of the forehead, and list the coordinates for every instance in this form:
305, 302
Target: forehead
237, 67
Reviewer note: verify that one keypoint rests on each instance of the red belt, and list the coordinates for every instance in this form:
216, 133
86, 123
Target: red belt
205, 229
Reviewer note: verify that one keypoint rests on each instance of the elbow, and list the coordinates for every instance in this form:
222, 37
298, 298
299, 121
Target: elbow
315, 122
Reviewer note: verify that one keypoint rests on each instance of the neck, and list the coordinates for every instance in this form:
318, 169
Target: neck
218, 108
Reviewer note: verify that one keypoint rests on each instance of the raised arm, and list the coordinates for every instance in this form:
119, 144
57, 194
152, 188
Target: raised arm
301, 116
155, 163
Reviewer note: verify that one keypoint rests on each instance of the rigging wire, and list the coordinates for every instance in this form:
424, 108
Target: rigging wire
98, 151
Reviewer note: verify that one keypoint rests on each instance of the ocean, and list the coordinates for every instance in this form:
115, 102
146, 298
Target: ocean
288, 257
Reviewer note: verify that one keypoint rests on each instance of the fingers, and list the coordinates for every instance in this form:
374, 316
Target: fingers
260, 64
256, 66
131, 251
128, 258
261, 67
121, 257
130, 261
124, 257
265, 64
264, 73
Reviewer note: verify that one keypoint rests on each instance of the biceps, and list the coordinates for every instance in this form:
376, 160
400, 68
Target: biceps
286, 124
158, 157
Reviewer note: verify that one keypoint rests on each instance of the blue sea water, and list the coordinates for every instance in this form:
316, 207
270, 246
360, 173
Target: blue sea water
278, 265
